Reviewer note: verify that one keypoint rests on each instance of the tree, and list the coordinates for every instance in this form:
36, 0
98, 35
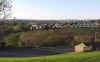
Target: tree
5, 11
11, 40
5, 8
19, 27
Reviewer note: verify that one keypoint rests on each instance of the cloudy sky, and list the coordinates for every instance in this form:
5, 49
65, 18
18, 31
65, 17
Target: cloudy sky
56, 9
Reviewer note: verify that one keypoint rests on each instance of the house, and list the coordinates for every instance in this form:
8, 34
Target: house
83, 24
98, 23
35, 27
58, 26
83, 47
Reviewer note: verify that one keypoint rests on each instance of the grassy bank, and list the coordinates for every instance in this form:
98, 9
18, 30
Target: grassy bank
71, 57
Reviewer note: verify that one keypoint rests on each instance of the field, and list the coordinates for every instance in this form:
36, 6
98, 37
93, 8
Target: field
82, 31
69, 57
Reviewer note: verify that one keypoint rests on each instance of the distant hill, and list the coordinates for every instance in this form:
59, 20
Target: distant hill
49, 21
38, 21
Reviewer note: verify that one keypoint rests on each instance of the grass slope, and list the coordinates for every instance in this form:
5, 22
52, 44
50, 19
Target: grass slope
71, 57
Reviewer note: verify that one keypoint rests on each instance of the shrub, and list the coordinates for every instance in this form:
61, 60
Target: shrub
44, 38
11, 40
75, 43
20, 44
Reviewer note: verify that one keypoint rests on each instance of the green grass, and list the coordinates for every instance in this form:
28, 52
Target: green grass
81, 30
69, 57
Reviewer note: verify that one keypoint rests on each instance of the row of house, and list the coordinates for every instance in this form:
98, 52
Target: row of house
71, 24
46, 26
84, 24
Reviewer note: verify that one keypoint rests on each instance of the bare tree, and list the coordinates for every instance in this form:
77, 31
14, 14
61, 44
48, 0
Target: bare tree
5, 8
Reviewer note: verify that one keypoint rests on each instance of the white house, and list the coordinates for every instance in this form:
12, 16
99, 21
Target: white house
35, 27
83, 24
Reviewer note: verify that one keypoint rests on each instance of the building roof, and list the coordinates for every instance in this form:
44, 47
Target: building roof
84, 44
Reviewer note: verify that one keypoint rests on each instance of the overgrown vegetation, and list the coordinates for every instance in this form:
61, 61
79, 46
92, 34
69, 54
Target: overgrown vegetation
45, 38
13, 40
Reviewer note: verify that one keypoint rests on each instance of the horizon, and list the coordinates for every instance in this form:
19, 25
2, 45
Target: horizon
56, 9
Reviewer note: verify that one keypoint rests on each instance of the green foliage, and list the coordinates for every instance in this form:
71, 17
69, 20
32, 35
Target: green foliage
19, 33
75, 43
10, 28
69, 57
11, 40
81, 31
19, 27
20, 44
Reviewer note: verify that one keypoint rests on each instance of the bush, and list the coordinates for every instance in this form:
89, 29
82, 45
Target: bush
11, 40
20, 44
74, 43
44, 38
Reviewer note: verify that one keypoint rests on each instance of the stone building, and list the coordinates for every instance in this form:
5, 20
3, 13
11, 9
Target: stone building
83, 47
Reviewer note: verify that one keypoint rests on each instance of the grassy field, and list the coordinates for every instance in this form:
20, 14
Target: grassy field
69, 57
81, 30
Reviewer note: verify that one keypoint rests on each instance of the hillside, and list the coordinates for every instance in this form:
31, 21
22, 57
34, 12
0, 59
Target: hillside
69, 57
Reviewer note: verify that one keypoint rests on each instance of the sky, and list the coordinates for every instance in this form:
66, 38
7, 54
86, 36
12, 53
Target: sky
56, 9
